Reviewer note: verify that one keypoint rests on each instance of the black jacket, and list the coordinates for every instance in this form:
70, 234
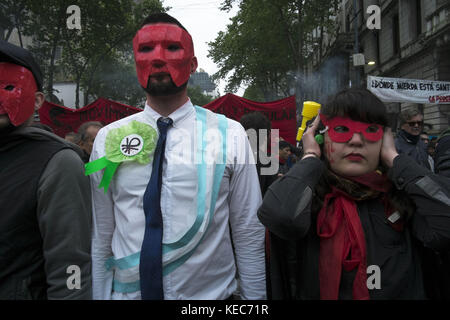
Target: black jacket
442, 156
286, 212
414, 149
45, 218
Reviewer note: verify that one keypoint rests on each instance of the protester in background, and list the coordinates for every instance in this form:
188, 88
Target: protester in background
284, 154
408, 139
431, 150
296, 154
88, 131
162, 229
424, 137
73, 137
45, 208
259, 122
442, 154
353, 218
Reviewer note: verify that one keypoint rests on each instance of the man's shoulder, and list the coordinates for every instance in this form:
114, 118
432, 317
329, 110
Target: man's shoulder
41, 138
121, 122
233, 127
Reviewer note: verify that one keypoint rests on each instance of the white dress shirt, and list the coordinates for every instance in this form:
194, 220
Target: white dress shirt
119, 219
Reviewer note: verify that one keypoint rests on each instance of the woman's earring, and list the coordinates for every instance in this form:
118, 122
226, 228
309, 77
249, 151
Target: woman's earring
319, 137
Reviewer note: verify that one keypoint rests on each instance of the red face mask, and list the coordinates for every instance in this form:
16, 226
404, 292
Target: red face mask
17, 92
163, 47
342, 129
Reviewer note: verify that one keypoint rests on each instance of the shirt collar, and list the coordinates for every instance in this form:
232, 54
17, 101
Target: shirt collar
177, 116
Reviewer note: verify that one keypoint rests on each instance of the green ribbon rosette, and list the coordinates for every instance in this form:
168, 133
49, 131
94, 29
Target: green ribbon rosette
135, 141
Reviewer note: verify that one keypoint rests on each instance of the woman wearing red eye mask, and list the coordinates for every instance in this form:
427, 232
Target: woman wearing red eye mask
354, 219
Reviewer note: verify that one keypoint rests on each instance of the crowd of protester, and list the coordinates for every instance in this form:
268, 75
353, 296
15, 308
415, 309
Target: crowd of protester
362, 213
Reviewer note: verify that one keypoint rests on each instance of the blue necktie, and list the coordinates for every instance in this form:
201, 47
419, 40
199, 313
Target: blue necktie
150, 267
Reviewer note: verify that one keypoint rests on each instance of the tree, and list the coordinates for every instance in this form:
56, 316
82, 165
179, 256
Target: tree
251, 51
197, 97
11, 14
45, 22
116, 80
268, 43
107, 30
254, 93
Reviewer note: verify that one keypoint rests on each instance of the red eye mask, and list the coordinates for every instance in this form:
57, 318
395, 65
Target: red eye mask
342, 129
17, 92
163, 47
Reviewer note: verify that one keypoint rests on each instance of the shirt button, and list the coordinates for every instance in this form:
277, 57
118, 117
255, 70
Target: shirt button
401, 180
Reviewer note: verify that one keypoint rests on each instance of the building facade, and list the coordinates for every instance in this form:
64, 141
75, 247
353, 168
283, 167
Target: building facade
413, 42
202, 80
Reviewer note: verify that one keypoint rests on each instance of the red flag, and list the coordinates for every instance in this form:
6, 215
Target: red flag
281, 113
63, 120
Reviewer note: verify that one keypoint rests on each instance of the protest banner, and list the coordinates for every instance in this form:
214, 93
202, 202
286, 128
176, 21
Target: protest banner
409, 90
64, 120
281, 113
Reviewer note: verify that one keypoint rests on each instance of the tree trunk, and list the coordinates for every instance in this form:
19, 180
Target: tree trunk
77, 93
300, 59
51, 69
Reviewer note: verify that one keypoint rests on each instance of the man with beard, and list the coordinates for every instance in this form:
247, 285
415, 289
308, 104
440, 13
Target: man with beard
177, 178
408, 137
45, 210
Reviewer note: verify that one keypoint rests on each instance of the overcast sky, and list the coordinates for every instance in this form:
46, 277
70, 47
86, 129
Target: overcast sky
203, 20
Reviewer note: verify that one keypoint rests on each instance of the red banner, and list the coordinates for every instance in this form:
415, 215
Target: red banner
64, 120
282, 113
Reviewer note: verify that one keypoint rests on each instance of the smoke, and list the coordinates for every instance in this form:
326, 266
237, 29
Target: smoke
330, 78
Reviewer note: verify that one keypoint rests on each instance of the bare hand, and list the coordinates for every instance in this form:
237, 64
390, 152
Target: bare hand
309, 142
388, 150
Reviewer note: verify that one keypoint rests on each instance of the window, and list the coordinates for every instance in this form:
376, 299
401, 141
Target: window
395, 35
419, 17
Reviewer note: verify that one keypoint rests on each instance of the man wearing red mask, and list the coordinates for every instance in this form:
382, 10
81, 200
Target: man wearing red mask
178, 177
45, 207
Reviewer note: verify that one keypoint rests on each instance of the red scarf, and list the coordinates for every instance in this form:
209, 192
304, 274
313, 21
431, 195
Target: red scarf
342, 241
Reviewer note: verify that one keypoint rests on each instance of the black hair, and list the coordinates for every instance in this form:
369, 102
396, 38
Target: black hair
357, 104
255, 120
20, 56
162, 17
284, 144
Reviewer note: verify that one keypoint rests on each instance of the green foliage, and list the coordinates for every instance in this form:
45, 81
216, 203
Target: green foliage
268, 43
116, 80
102, 44
254, 93
197, 97
11, 14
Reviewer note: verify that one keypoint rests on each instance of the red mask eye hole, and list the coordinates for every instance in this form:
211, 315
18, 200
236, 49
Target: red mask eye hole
146, 49
9, 88
173, 47
341, 129
372, 129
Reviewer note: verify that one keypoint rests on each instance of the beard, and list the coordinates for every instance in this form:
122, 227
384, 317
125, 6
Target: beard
6, 126
162, 88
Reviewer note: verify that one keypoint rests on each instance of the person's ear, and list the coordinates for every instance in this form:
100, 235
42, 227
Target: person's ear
39, 99
194, 64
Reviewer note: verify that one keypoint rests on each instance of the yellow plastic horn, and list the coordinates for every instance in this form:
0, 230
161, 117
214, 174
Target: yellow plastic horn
310, 110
